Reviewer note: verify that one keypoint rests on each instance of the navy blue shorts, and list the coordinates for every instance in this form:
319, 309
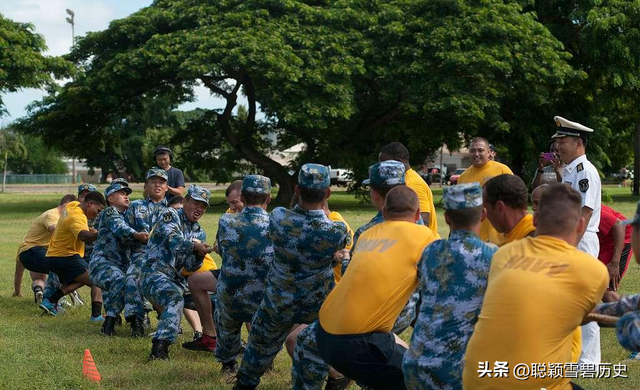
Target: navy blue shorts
68, 268
34, 259
371, 359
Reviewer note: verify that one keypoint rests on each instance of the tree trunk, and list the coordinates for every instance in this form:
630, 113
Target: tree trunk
4, 175
636, 162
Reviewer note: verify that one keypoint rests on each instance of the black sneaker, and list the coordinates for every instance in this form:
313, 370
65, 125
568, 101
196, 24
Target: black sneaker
337, 384
108, 326
159, 350
229, 367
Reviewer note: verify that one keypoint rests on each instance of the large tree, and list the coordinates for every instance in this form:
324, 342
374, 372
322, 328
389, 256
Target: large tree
22, 64
344, 77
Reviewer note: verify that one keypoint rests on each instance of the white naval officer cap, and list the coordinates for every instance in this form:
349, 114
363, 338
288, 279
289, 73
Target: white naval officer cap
566, 128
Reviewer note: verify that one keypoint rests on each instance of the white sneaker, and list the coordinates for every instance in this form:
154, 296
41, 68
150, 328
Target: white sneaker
75, 299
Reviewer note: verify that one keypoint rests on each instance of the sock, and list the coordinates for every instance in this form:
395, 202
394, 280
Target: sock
55, 297
36, 288
96, 309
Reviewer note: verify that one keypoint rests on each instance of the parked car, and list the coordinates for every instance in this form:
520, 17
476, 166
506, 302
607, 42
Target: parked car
340, 176
453, 180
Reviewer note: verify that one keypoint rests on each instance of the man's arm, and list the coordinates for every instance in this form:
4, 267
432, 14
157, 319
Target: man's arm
17, 279
426, 218
176, 191
88, 235
537, 179
586, 214
618, 245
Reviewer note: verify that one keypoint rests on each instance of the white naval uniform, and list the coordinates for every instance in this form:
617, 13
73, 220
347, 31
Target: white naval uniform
582, 176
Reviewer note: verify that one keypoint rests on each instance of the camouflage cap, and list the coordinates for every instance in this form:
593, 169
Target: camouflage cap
256, 184
120, 180
314, 177
117, 186
385, 173
157, 172
86, 187
462, 196
635, 221
199, 193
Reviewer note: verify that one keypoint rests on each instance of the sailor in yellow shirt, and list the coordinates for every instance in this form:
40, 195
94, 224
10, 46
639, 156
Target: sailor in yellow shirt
353, 332
66, 248
397, 151
481, 171
540, 290
506, 199
342, 254
33, 248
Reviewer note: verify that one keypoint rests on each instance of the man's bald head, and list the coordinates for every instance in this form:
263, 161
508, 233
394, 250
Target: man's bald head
401, 203
536, 195
560, 210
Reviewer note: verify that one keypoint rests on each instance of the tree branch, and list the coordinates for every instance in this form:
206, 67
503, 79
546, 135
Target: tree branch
209, 82
251, 97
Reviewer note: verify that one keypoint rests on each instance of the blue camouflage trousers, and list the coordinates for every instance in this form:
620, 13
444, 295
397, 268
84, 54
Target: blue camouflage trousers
111, 279
309, 371
133, 300
166, 294
229, 329
53, 283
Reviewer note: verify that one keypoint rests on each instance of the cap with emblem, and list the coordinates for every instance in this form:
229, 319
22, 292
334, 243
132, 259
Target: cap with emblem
86, 187
635, 221
256, 184
115, 187
157, 172
314, 177
198, 193
121, 180
462, 196
566, 128
385, 173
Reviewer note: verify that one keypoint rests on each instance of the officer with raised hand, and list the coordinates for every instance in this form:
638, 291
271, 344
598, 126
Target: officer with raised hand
301, 276
176, 241
110, 256
141, 216
582, 176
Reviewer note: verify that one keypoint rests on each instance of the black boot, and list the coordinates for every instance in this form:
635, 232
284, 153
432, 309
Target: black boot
159, 350
109, 325
230, 367
137, 326
239, 386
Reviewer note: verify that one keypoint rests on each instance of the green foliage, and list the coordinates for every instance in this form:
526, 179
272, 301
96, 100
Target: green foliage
22, 64
38, 158
11, 146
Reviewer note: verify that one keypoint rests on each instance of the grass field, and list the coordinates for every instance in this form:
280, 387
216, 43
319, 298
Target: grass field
45, 352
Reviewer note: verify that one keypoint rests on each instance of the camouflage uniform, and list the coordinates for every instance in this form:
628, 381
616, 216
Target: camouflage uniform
301, 276
247, 254
110, 256
170, 248
388, 173
453, 279
141, 215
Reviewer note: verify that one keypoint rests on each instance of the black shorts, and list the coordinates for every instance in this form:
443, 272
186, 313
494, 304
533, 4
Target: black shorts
371, 359
68, 268
34, 259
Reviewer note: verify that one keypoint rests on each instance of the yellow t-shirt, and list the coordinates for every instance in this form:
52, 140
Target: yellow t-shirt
382, 276
540, 289
482, 175
336, 216
64, 241
208, 264
425, 196
39, 234
523, 229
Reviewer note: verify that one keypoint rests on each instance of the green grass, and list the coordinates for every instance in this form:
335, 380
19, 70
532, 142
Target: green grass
44, 352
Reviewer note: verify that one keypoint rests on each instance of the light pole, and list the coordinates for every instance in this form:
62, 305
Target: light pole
71, 21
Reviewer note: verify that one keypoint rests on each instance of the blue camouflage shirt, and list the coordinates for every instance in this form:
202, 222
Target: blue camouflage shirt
247, 253
304, 242
453, 279
170, 246
114, 238
142, 215
628, 326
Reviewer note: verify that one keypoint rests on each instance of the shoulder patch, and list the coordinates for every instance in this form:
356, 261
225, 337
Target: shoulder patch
580, 168
167, 217
584, 185
348, 240
111, 211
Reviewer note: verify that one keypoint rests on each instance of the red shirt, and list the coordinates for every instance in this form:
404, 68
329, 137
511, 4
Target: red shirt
608, 218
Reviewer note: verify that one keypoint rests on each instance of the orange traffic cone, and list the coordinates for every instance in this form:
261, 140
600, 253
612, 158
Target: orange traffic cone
89, 369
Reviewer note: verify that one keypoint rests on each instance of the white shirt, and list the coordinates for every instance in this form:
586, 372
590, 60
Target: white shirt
582, 176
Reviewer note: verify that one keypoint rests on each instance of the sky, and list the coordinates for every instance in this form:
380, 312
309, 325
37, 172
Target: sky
48, 17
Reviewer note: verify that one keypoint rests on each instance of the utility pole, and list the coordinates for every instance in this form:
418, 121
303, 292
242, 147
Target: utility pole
71, 21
